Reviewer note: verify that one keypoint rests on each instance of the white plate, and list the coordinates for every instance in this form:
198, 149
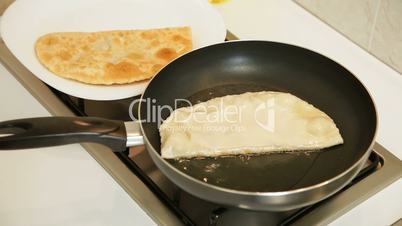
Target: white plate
26, 20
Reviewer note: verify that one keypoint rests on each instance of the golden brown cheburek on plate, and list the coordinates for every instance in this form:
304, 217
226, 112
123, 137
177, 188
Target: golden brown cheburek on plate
112, 57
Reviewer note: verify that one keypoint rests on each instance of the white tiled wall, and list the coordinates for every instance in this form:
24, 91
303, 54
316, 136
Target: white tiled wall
375, 25
387, 36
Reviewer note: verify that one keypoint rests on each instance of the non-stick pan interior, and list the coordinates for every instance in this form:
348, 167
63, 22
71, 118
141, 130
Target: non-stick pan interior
237, 67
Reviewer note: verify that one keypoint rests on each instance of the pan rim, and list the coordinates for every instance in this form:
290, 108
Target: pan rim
275, 193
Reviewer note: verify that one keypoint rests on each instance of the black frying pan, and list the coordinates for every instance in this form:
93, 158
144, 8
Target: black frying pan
279, 181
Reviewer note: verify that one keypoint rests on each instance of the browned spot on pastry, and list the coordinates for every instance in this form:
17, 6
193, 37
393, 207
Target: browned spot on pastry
179, 38
148, 35
49, 40
166, 53
121, 70
92, 38
156, 67
135, 56
85, 48
116, 41
64, 55
155, 43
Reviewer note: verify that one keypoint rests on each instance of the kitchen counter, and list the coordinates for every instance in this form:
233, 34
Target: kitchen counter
66, 186
59, 185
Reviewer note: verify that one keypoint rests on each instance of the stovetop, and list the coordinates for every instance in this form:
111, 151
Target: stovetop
189, 209
167, 204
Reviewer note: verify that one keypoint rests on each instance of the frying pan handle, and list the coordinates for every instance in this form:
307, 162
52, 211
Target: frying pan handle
52, 131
